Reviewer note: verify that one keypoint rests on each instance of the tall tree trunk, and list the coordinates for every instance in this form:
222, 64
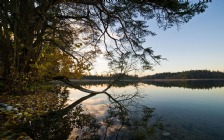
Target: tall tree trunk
6, 62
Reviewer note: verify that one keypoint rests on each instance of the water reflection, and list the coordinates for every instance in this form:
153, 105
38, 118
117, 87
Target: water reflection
80, 124
190, 113
122, 117
59, 127
192, 84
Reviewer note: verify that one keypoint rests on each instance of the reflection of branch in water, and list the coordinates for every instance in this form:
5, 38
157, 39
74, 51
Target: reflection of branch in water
120, 124
92, 93
121, 121
129, 97
55, 126
123, 114
70, 107
117, 124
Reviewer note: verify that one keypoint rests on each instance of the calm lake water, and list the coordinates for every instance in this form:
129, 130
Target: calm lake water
187, 113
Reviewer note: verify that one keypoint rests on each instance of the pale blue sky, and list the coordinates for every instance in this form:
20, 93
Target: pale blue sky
198, 44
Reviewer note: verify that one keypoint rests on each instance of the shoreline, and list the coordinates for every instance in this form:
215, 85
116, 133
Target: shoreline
167, 80
140, 80
80, 80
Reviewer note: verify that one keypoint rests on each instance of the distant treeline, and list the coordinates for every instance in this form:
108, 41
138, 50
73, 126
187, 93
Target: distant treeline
194, 79
192, 84
193, 74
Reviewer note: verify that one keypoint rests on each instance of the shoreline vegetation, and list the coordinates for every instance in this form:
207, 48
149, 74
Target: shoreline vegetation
197, 79
193, 75
181, 83
142, 80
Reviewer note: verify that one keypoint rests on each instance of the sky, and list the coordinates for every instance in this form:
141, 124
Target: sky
196, 45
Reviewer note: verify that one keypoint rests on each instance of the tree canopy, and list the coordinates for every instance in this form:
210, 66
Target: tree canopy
81, 30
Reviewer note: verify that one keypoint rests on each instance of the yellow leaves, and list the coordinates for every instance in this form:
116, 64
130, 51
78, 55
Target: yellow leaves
34, 66
54, 62
80, 68
59, 42
42, 54
23, 136
10, 33
22, 45
30, 106
25, 113
20, 81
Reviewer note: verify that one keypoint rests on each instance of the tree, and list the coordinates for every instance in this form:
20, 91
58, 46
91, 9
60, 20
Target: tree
76, 28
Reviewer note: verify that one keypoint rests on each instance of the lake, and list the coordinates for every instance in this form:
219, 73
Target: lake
187, 111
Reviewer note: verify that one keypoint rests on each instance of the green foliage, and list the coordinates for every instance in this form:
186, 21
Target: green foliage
22, 82
54, 62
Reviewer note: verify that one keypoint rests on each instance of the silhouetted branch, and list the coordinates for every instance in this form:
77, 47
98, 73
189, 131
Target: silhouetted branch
92, 93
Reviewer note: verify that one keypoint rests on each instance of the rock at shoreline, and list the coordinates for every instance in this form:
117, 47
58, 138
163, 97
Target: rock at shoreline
3, 105
15, 109
9, 108
165, 133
